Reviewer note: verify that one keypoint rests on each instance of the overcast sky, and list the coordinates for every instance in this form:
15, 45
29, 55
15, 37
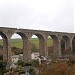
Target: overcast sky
50, 15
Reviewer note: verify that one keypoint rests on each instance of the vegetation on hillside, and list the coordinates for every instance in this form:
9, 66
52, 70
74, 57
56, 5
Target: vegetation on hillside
19, 42
58, 68
17, 45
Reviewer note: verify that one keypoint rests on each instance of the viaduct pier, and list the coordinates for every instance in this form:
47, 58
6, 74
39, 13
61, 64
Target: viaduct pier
26, 34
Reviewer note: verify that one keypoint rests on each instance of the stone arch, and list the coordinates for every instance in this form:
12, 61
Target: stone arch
55, 46
65, 45
26, 46
73, 44
42, 44
5, 46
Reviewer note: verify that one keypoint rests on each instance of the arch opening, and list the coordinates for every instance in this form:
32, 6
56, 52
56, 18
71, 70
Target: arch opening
16, 47
34, 47
34, 43
23, 47
65, 45
40, 44
16, 44
54, 45
50, 45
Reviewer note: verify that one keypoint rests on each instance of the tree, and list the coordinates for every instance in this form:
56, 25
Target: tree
33, 47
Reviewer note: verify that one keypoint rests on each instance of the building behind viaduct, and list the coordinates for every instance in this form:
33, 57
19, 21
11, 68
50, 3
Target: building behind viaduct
26, 34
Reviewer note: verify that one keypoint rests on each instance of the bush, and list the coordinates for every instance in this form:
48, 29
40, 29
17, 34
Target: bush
34, 63
32, 71
3, 67
20, 63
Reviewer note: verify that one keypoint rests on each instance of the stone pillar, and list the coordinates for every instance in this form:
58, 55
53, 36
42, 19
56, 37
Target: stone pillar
26, 50
71, 49
43, 47
57, 48
5, 50
9, 51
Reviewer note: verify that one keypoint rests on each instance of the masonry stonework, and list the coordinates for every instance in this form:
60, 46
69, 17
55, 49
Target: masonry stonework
26, 34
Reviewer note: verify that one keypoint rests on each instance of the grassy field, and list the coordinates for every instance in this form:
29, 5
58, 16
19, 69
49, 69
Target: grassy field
19, 42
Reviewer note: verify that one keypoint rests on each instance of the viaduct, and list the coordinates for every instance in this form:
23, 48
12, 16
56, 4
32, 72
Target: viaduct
26, 34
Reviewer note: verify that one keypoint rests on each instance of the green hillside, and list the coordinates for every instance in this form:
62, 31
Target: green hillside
19, 42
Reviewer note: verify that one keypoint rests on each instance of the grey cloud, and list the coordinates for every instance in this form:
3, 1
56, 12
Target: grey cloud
22, 15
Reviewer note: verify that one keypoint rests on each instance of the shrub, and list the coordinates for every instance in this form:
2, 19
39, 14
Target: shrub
20, 63
31, 71
3, 67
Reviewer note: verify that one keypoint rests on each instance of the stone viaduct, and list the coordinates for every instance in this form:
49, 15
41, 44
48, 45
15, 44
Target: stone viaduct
26, 34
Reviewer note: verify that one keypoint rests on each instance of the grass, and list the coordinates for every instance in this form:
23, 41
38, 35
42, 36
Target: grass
19, 42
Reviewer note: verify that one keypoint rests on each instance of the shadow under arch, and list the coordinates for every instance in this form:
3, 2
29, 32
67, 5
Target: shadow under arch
65, 45
5, 46
26, 46
42, 45
55, 46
